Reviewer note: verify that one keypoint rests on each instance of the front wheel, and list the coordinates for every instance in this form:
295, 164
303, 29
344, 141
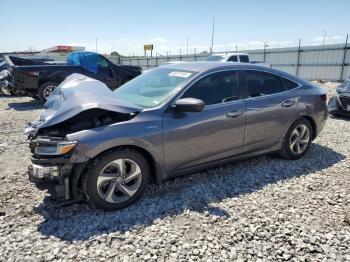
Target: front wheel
297, 140
117, 180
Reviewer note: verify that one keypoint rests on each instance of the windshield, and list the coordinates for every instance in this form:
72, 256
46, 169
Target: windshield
215, 58
154, 87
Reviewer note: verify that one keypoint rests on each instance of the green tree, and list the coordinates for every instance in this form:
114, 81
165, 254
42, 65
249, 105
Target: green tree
115, 53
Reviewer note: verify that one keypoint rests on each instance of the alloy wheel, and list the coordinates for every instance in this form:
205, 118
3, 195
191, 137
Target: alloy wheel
48, 90
119, 180
299, 139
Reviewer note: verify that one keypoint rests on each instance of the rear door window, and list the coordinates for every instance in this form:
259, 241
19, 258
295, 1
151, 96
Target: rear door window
244, 58
261, 83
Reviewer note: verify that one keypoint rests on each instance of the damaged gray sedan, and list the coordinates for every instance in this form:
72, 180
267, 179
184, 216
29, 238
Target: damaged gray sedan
91, 144
339, 104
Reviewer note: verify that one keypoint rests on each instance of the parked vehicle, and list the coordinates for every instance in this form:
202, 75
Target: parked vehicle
105, 147
3, 65
234, 57
38, 79
6, 78
339, 104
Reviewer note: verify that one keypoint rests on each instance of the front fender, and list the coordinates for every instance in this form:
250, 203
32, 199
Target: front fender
146, 135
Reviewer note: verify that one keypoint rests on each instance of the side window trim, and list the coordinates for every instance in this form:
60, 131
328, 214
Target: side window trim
179, 96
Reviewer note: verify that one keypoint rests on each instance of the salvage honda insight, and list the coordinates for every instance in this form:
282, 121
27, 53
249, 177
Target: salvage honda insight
92, 144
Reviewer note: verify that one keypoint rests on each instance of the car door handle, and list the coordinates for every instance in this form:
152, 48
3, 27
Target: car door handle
288, 103
234, 114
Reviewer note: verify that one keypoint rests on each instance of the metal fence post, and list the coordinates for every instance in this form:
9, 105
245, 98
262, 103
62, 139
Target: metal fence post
298, 59
264, 52
195, 55
180, 54
156, 61
167, 56
119, 60
344, 57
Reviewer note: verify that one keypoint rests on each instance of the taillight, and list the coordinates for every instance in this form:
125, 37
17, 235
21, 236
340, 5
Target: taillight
31, 73
324, 98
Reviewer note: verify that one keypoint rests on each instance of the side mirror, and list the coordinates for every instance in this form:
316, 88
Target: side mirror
189, 105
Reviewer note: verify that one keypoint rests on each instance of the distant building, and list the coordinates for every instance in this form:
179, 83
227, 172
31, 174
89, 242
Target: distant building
63, 49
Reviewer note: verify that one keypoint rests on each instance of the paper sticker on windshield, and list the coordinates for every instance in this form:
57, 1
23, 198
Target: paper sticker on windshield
180, 74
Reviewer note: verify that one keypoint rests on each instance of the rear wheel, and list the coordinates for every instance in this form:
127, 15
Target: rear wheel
45, 90
117, 180
297, 140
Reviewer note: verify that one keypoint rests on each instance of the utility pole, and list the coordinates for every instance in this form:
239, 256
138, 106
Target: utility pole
324, 36
187, 45
343, 64
265, 45
96, 44
212, 36
298, 59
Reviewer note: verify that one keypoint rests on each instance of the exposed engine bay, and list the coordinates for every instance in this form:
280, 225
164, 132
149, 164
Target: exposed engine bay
91, 118
80, 103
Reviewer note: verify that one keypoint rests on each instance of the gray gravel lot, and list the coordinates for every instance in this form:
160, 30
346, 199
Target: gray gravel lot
262, 209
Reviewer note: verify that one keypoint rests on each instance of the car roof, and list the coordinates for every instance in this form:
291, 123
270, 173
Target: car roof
228, 54
210, 65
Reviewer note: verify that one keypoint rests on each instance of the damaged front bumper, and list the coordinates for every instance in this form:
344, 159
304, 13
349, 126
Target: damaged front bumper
51, 178
339, 104
59, 175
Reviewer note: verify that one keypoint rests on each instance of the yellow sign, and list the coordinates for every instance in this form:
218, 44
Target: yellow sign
148, 47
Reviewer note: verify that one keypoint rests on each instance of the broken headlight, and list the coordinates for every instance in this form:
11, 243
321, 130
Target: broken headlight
61, 148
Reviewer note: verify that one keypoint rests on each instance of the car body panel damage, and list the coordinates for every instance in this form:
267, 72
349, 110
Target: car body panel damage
80, 103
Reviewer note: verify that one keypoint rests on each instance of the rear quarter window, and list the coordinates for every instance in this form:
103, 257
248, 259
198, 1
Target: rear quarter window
288, 84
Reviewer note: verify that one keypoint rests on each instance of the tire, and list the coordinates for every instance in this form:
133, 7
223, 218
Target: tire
108, 188
43, 91
302, 140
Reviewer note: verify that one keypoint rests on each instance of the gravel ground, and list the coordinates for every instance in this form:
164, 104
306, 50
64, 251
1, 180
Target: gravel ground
262, 209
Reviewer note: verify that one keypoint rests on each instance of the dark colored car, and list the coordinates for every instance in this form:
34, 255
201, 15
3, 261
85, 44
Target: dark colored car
339, 104
175, 119
6, 78
38, 79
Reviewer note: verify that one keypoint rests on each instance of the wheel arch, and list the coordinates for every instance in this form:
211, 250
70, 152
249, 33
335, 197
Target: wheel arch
155, 176
156, 171
307, 117
313, 125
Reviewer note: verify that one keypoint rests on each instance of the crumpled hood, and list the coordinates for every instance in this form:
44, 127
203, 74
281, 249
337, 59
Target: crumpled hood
76, 94
344, 87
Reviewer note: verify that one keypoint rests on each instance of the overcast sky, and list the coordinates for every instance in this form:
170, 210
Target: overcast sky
125, 26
